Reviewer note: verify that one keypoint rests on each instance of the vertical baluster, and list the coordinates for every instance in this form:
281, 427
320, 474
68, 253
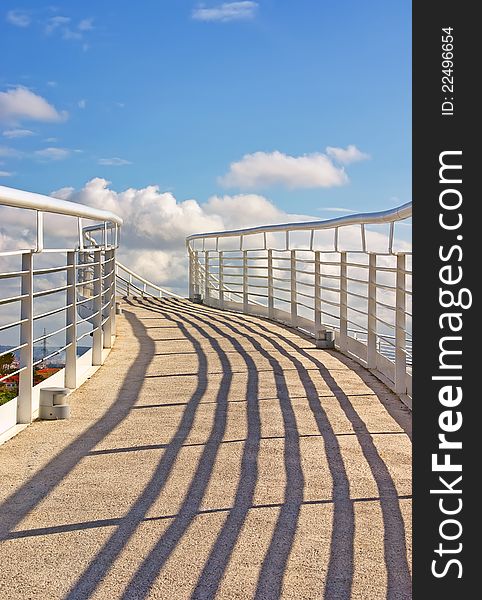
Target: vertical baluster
294, 304
270, 285
245, 282
206, 276
197, 283
343, 303
25, 380
400, 328
97, 310
317, 291
221, 279
71, 323
108, 286
191, 273
372, 312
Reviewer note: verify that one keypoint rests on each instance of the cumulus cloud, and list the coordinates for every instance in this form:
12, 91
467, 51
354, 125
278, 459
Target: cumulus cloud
53, 153
264, 169
156, 223
17, 133
227, 11
6, 174
347, 155
20, 103
19, 18
82, 103
114, 162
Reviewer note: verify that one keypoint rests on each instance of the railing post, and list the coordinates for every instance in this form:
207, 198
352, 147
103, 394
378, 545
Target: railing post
197, 283
129, 282
108, 288
317, 291
221, 279
343, 303
270, 285
25, 379
114, 295
245, 281
372, 312
191, 273
400, 329
70, 380
294, 305
206, 276
97, 310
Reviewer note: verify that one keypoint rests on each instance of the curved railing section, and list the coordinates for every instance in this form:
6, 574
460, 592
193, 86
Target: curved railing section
57, 294
345, 281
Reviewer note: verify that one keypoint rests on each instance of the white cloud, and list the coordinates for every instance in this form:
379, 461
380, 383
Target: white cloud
53, 153
227, 11
67, 29
7, 152
347, 155
20, 103
17, 133
156, 223
6, 174
19, 18
70, 34
263, 169
113, 162
86, 25
82, 103
336, 209
52, 83
55, 22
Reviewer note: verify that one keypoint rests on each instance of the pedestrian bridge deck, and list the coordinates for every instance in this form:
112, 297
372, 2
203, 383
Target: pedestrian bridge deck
214, 455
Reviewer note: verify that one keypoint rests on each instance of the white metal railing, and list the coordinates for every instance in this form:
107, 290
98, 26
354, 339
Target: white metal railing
350, 276
65, 292
131, 283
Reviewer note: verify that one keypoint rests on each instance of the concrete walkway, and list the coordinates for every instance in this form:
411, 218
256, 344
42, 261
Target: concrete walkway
213, 456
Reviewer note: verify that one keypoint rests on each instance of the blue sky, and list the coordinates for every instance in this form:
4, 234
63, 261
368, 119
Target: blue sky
175, 92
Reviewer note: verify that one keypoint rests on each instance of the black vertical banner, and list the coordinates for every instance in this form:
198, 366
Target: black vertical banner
447, 236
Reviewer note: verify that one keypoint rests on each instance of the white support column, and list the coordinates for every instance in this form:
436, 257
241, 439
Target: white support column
206, 276
270, 285
343, 303
372, 312
221, 279
71, 324
294, 305
97, 309
317, 291
25, 380
245, 282
400, 329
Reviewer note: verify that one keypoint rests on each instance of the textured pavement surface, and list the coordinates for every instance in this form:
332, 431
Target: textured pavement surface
214, 455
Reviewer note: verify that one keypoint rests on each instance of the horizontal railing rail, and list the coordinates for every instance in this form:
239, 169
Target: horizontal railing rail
348, 278
133, 282
52, 298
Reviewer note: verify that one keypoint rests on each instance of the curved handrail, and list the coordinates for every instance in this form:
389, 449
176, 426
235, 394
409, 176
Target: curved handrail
146, 281
387, 216
29, 200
